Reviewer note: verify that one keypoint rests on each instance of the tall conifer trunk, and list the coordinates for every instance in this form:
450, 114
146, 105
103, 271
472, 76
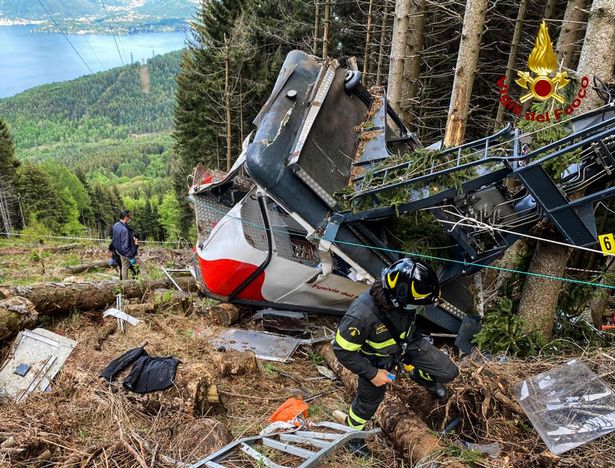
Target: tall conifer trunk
574, 18
398, 53
512, 55
467, 59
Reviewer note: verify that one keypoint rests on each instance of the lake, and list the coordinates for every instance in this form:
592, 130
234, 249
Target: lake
29, 59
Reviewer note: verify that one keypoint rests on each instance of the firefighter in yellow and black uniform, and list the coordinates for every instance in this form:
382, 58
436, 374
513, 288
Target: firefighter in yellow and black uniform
365, 342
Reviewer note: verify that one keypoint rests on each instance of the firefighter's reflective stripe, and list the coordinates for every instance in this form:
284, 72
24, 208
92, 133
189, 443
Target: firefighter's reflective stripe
374, 354
424, 375
345, 344
384, 344
355, 421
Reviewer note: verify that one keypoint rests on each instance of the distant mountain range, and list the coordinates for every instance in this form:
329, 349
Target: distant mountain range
123, 16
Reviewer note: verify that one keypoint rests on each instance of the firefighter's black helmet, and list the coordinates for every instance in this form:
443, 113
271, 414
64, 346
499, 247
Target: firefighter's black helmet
410, 282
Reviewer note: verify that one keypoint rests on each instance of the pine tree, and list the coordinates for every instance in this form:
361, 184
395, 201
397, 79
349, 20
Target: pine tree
40, 198
8, 172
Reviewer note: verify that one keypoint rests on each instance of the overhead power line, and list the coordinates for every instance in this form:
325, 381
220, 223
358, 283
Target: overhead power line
112, 33
65, 36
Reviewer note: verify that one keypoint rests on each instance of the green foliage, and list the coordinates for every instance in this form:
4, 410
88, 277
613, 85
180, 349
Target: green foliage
269, 370
502, 332
8, 162
35, 231
41, 199
543, 134
571, 328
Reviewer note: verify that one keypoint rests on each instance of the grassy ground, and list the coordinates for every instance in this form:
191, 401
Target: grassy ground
82, 419
85, 422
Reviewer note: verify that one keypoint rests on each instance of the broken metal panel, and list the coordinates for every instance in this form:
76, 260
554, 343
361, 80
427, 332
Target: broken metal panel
43, 352
283, 320
568, 405
266, 346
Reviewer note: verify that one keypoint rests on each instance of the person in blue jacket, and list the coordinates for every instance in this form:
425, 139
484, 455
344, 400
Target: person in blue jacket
124, 243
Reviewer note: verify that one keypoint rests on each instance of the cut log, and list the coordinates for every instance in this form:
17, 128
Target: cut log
233, 362
167, 299
62, 248
51, 298
139, 309
409, 434
16, 313
224, 314
86, 267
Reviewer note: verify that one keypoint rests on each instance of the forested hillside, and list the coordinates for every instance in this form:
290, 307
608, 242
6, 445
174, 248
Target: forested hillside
90, 147
128, 100
92, 15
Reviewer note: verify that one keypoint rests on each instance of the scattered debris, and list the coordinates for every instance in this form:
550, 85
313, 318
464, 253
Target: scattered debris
266, 346
493, 449
148, 374
568, 405
34, 360
332, 437
328, 373
293, 410
283, 320
120, 315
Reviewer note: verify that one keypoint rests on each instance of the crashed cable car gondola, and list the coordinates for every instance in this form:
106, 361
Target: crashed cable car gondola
271, 233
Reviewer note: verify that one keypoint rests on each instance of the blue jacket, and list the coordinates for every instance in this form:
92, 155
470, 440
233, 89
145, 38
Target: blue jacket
123, 241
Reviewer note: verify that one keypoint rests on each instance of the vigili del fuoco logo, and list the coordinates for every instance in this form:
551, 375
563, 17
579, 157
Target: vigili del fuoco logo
544, 82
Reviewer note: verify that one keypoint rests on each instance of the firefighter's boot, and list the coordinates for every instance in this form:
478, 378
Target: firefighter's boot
425, 380
358, 448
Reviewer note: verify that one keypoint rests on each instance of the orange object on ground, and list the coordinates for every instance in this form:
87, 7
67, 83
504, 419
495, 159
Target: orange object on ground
607, 327
289, 410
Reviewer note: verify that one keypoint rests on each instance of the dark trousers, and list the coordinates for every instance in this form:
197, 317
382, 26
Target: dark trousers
431, 363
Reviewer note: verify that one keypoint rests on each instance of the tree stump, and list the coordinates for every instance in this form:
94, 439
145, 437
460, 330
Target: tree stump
234, 362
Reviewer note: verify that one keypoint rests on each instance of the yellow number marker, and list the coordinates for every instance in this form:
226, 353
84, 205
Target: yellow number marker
607, 243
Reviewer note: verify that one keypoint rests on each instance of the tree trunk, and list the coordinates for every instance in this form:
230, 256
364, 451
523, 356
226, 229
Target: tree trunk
227, 104
539, 298
398, 52
52, 298
512, 56
316, 26
412, 63
597, 57
368, 38
409, 434
383, 29
550, 9
600, 299
16, 313
569, 35
467, 58
325, 32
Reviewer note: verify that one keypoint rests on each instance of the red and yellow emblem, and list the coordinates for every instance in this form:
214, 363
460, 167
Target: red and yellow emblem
543, 62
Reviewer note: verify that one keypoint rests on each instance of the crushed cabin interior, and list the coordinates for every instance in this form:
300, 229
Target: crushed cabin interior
322, 131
